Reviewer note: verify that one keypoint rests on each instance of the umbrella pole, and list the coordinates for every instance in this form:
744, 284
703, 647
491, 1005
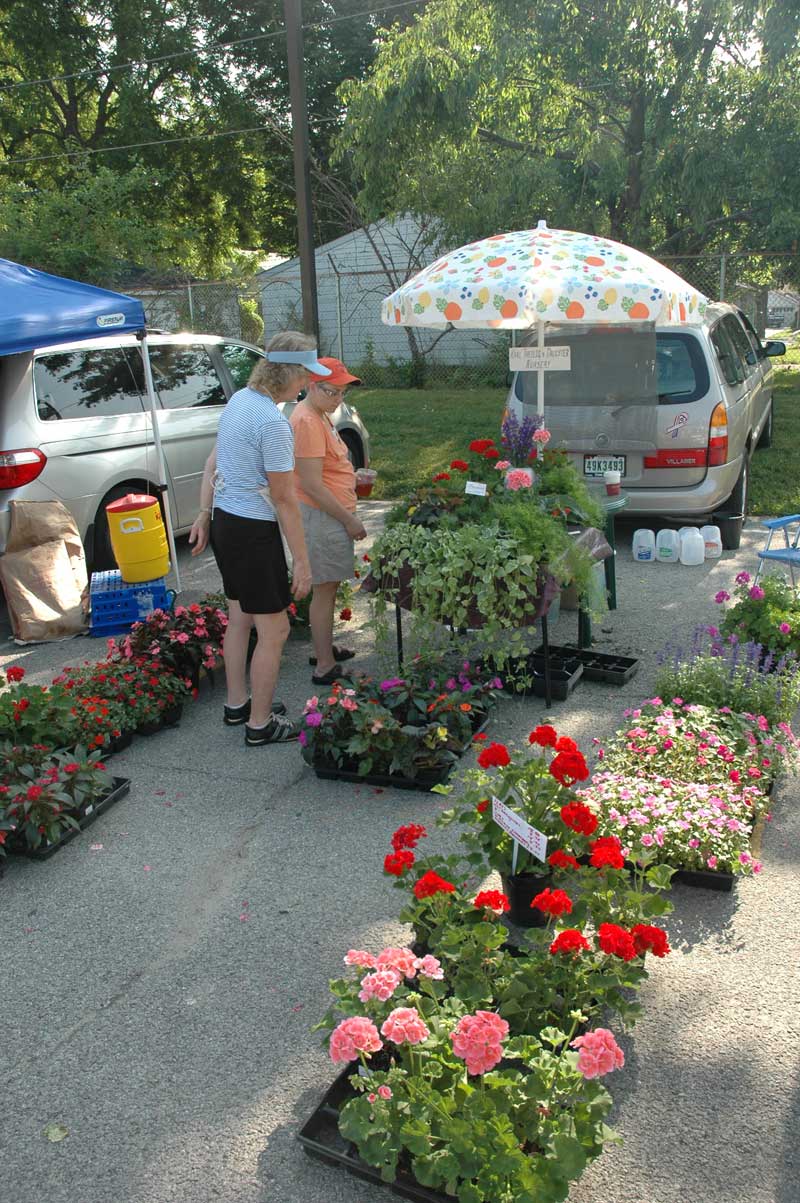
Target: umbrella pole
162, 467
540, 371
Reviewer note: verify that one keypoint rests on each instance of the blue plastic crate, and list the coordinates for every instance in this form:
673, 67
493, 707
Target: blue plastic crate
116, 606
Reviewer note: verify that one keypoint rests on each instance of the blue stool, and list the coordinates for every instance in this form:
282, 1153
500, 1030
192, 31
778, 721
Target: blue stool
789, 554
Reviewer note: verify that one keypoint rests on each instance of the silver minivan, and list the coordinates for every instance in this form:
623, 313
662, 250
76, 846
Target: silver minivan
75, 428
677, 410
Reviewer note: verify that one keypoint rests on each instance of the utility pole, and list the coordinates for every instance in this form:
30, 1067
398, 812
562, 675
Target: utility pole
302, 175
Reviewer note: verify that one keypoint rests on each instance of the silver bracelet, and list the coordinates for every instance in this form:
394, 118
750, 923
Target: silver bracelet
205, 509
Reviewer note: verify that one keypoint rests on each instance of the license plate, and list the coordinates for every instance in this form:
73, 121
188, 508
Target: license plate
596, 465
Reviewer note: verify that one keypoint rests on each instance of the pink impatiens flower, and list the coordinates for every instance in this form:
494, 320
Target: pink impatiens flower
477, 1040
721, 597
785, 629
405, 1025
381, 985
354, 1035
743, 578
599, 1053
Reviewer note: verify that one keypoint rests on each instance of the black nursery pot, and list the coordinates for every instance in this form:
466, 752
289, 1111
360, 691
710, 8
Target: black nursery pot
521, 889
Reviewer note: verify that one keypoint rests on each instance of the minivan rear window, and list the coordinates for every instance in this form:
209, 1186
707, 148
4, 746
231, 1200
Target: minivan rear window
681, 374
86, 384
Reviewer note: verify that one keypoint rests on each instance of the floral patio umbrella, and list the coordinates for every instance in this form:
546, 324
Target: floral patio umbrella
516, 281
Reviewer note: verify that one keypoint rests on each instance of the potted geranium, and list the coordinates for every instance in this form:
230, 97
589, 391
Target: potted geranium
537, 786
767, 613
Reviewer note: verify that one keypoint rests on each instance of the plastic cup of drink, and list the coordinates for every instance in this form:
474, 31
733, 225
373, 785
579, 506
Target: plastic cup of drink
365, 479
612, 482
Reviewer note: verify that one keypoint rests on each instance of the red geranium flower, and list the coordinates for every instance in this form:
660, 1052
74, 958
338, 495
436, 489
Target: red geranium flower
568, 767
346, 614
616, 941
396, 863
579, 818
565, 744
481, 445
408, 836
562, 860
545, 736
570, 940
491, 454
441, 476
553, 902
482, 806
648, 938
458, 465
607, 850
493, 900
480, 738
494, 756
15, 674
431, 883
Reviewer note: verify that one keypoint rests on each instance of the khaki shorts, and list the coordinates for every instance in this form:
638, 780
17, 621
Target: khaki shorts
330, 548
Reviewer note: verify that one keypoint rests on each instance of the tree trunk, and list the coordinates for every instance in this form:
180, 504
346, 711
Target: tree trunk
625, 213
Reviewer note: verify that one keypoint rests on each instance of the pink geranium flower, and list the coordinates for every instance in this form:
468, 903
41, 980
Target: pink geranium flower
599, 1053
405, 1025
356, 956
354, 1035
518, 479
477, 1040
381, 985
401, 959
429, 966
757, 593
785, 629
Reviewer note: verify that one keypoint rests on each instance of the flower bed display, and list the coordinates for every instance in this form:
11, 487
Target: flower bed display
406, 731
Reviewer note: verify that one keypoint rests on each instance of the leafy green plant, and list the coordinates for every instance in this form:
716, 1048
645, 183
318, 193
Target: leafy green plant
768, 613
44, 793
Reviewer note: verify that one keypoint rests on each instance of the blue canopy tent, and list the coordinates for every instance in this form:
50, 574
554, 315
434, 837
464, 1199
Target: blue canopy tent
37, 309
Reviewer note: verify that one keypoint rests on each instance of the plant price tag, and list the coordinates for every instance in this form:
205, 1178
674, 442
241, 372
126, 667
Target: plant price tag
519, 830
476, 488
540, 359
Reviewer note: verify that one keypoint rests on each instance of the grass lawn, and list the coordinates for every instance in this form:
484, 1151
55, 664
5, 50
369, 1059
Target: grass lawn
416, 432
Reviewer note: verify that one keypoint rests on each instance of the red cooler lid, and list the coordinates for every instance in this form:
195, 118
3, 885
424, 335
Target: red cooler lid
131, 501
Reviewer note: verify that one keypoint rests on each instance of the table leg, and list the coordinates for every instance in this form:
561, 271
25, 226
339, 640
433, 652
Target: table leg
548, 687
398, 622
610, 564
584, 629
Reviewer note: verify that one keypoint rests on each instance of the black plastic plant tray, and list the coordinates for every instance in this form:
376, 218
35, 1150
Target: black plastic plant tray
705, 879
118, 789
606, 667
320, 1138
387, 780
562, 680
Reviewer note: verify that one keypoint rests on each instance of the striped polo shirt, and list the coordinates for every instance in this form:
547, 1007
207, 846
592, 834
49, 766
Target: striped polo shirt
253, 439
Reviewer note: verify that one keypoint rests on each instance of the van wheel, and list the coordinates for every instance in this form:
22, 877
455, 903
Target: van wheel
102, 552
765, 438
354, 449
730, 529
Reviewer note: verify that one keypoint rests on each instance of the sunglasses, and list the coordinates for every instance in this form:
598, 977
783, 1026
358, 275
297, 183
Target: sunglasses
333, 392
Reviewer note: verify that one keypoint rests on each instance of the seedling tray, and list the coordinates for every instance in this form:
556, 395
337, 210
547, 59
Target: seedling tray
320, 1138
118, 789
606, 667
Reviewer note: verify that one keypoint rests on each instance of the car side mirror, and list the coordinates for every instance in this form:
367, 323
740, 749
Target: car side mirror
774, 348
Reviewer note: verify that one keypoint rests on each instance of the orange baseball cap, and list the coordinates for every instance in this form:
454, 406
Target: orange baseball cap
339, 375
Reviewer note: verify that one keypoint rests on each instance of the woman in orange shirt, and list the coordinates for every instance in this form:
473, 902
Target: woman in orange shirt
326, 488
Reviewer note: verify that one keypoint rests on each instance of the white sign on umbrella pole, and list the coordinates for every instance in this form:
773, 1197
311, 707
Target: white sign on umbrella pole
162, 467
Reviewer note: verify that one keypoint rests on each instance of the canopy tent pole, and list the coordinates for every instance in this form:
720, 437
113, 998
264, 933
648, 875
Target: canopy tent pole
162, 467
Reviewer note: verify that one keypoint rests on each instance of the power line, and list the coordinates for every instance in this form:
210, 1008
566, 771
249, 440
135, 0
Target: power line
146, 62
102, 150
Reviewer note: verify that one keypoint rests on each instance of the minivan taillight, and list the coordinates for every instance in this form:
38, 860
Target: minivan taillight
718, 436
19, 468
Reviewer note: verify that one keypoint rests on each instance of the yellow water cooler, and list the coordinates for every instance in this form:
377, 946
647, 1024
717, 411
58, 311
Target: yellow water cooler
138, 538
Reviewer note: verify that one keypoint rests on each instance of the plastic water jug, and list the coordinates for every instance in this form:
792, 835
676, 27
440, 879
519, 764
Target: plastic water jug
713, 541
644, 546
693, 548
138, 538
668, 546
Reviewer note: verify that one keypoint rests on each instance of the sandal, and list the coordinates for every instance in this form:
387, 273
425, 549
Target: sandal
336, 673
339, 654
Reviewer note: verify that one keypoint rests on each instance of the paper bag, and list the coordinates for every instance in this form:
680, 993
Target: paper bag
43, 573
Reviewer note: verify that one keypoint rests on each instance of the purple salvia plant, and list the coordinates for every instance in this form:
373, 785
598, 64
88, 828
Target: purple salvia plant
517, 437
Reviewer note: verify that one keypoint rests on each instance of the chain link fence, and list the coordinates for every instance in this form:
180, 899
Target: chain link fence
766, 287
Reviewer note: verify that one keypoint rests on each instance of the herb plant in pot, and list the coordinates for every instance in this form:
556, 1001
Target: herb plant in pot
537, 787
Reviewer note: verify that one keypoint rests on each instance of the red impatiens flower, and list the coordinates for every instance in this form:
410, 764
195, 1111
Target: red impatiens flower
553, 902
480, 738
545, 736
396, 863
492, 900
607, 850
14, 674
568, 767
491, 454
579, 818
616, 941
346, 614
408, 836
441, 476
562, 860
458, 465
565, 744
431, 883
483, 806
570, 940
648, 938
481, 445
494, 756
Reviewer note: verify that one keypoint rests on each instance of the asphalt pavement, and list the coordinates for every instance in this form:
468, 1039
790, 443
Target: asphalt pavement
161, 973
